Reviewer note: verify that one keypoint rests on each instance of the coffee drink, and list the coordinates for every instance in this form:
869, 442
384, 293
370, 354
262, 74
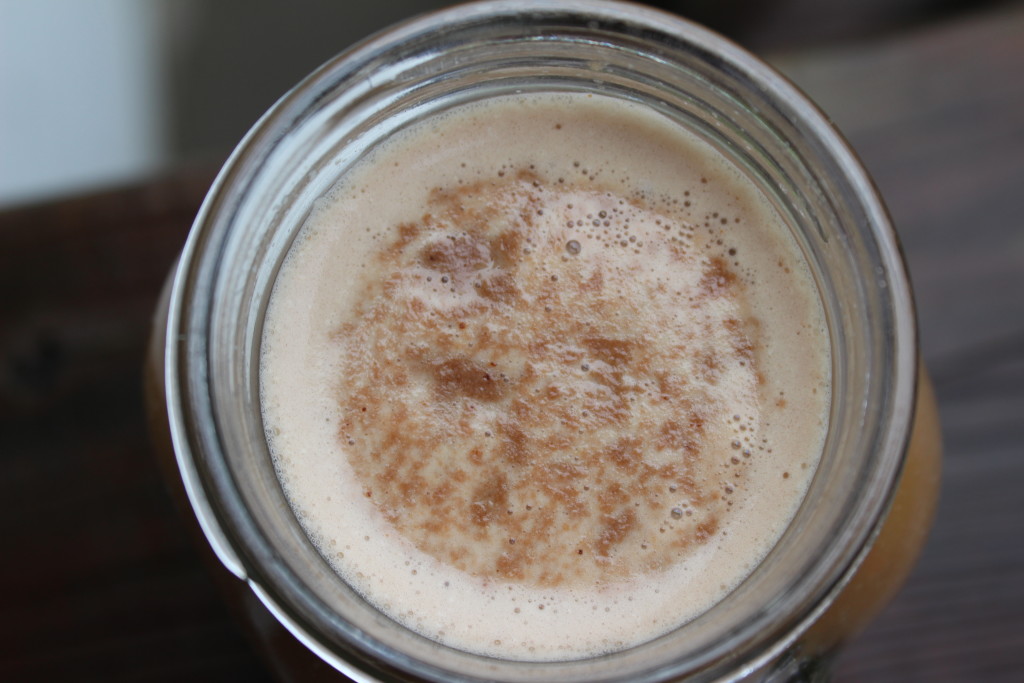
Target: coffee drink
545, 376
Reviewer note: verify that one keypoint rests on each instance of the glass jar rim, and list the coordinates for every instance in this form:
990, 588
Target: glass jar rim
233, 534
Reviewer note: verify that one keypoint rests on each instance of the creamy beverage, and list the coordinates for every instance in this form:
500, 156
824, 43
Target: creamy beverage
545, 377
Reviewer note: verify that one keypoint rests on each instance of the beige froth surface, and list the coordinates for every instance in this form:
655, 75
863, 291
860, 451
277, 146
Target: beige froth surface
546, 400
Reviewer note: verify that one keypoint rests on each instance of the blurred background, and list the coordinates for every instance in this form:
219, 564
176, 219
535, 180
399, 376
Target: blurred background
102, 92
116, 114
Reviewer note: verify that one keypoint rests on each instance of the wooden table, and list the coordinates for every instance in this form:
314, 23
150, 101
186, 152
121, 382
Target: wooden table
101, 582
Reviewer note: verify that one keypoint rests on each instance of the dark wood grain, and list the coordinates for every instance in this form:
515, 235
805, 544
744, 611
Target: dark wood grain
102, 583
938, 118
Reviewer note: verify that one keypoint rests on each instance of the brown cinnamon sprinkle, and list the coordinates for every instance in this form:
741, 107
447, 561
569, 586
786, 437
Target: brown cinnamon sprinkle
529, 417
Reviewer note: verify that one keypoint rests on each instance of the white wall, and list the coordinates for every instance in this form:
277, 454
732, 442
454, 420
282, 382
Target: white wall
80, 95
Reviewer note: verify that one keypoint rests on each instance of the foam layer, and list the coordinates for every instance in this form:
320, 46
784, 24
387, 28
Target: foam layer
550, 400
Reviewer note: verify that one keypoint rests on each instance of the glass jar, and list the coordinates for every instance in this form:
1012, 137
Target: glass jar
861, 525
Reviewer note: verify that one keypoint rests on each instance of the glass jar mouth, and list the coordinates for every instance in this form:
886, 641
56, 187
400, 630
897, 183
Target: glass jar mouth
299, 148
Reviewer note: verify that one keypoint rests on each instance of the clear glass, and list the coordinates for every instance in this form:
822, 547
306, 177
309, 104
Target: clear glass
770, 627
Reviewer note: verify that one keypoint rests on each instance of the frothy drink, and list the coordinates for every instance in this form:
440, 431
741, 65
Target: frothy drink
545, 377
